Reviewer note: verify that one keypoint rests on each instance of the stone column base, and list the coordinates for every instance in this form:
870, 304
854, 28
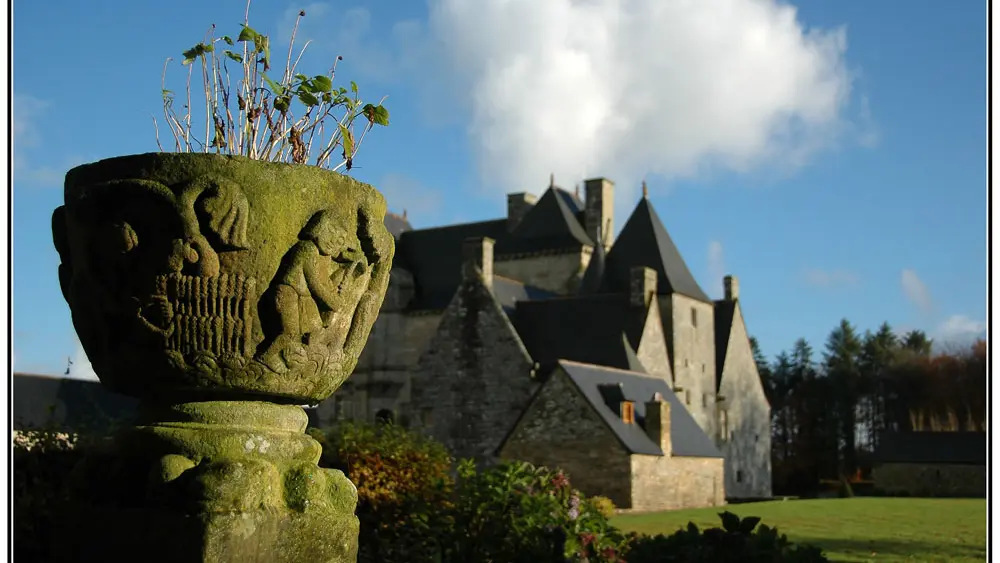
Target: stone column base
212, 482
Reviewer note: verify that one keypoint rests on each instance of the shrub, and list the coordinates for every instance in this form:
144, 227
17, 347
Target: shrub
603, 505
404, 488
515, 512
43, 460
738, 541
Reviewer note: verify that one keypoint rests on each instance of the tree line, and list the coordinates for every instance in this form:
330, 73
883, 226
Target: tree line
829, 410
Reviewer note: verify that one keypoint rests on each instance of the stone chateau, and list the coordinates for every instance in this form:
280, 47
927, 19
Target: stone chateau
536, 337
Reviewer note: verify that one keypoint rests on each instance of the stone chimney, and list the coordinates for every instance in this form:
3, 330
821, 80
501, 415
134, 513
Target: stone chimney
478, 253
642, 286
731, 285
658, 423
518, 205
599, 209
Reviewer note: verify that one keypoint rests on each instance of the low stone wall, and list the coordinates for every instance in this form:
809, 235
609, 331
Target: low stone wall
671, 483
931, 480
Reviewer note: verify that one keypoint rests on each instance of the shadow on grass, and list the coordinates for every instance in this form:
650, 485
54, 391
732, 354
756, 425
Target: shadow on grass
909, 550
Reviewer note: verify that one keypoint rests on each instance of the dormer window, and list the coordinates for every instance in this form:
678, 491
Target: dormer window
694, 317
628, 412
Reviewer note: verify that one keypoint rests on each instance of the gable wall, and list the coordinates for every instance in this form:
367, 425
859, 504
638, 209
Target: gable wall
561, 430
473, 380
558, 273
652, 350
671, 482
746, 441
692, 349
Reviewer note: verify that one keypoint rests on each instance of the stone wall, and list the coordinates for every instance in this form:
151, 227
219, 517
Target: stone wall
652, 350
671, 483
474, 379
561, 430
931, 480
691, 344
746, 438
558, 273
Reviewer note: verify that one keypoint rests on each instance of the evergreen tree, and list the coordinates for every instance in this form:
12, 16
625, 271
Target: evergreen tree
841, 363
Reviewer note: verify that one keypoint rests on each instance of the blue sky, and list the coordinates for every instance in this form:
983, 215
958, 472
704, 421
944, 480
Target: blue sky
832, 157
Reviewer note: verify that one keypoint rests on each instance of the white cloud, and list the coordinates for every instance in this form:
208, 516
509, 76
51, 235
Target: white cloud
625, 88
24, 119
81, 367
960, 328
830, 278
916, 291
716, 266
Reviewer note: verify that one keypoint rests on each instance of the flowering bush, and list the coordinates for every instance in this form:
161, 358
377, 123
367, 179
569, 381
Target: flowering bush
516, 512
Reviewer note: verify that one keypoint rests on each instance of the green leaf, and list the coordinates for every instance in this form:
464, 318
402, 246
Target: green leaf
381, 116
228, 40
322, 83
748, 524
308, 98
347, 140
282, 103
235, 56
327, 98
354, 87
275, 87
730, 521
167, 94
248, 34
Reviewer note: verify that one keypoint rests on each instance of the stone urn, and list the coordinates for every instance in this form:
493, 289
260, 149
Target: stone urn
222, 292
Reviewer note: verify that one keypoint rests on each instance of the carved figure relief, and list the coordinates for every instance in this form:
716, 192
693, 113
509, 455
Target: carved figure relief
320, 281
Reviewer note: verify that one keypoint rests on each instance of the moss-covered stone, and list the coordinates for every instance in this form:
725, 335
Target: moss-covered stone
200, 276
213, 482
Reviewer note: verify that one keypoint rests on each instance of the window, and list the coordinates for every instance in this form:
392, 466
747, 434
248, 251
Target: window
702, 368
343, 409
756, 438
724, 424
704, 400
628, 412
687, 397
694, 317
739, 476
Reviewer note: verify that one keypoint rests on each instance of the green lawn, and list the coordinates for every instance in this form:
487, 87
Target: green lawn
855, 529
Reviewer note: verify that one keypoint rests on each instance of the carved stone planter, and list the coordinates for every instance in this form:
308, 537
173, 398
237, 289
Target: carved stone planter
222, 292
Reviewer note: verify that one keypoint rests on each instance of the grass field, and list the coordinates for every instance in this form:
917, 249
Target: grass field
854, 529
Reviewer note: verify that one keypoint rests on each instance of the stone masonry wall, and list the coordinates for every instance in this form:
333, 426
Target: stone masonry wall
561, 430
671, 483
693, 355
473, 381
558, 273
652, 350
746, 440
938, 480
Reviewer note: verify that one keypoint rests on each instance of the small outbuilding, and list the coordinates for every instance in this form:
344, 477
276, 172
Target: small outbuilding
931, 464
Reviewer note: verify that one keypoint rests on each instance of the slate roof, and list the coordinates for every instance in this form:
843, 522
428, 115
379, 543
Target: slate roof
594, 329
644, 241
725, 312
591, 283
79, 404
958, 448
511, 292
397, 224
605, 388
434, 256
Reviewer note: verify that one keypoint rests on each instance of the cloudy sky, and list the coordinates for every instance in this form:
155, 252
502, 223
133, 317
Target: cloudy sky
830, 154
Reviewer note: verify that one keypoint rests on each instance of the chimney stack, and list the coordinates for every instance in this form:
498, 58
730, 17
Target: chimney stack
599, 209
658, 423
642, 286
478, 253
518, 205
732, 288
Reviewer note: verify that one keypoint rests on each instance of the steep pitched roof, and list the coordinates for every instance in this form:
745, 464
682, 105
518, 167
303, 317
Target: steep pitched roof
86, 405
644, 241
959, 448
605, 388
592, 277
434, 255
725, 312
552, 222
511, 292
397, 224
598, 329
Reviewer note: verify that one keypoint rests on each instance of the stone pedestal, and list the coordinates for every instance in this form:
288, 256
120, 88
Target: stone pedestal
219, 291
213, 482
